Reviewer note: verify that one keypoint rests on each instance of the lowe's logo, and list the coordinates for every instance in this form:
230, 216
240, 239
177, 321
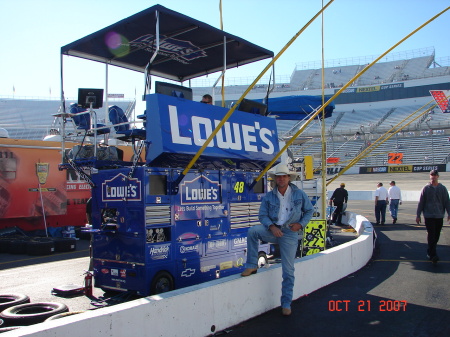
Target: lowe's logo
121, 188
195, 192
232, 136
179, 50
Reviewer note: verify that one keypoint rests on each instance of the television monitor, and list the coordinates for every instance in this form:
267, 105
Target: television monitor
173, 90
88, 96
253, 107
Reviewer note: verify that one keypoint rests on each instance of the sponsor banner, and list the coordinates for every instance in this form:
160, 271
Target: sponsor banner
400, 169
180, 127
116, 95
372, 88
376, 169
428, 168
368, 89
441, 97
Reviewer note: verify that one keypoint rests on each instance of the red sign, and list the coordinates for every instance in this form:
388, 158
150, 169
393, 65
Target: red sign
333, 160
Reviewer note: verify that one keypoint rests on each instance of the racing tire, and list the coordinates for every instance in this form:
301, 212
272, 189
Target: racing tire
1, 322
31, 313
10, 300
65, 244
40, 247
161, 283
262, 260
64, 314
17, 246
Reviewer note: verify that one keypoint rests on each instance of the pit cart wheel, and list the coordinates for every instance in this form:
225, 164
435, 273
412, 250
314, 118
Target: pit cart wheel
31, 313
10, 300
161, 283
262, 260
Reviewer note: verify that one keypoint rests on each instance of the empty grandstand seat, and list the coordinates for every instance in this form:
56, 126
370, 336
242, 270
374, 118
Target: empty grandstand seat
120, 122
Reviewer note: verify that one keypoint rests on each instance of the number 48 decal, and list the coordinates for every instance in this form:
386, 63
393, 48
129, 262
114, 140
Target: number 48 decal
239, 187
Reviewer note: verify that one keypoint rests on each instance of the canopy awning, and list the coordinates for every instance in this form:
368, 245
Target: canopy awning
188, 48
297, 107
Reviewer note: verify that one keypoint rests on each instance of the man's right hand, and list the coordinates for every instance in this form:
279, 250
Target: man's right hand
418, 220
276, 231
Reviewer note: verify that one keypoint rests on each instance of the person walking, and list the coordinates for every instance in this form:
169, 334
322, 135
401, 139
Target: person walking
395, 199
339, 198
433, 203
284, 211
381, 201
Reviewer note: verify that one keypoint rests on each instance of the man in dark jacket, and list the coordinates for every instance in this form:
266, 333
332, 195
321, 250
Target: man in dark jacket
339, 198
433, 203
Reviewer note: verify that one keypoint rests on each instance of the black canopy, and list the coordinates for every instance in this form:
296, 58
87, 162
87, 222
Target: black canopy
188, 48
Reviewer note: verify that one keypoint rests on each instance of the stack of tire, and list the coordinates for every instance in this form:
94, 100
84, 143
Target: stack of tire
36, 245
16, 311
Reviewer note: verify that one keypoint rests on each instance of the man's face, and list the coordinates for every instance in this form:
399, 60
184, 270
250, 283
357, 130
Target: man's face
434, 177
282, 181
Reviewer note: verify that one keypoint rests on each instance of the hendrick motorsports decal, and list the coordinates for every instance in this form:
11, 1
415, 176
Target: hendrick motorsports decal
159, 252
200, 191
121, 188
182, 51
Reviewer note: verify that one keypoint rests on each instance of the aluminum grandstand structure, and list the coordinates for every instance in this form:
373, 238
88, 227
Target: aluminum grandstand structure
385, 95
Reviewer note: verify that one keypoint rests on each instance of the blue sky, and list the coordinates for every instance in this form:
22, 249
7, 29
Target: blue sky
34, 31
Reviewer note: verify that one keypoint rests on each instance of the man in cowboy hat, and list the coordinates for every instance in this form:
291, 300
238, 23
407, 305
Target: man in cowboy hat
284, 211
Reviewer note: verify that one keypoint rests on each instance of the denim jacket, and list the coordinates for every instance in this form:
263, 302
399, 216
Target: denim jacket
270, 206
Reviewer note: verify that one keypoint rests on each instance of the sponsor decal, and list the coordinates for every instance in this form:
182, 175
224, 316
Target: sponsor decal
188, 249
205, 269
114, 272
232, 136
188, 272
401, 169
195, 192
104, 271
179, 50
226, 265
159, 252
121, 188
240, 262
123, 273
240, 241
217, 244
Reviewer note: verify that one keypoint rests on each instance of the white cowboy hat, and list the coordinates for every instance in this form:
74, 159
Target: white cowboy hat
281, 170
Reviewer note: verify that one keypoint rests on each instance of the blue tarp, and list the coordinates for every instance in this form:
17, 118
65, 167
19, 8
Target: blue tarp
296, 107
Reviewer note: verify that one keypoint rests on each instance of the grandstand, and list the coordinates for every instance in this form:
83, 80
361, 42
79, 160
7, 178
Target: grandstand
33, 118
377, 102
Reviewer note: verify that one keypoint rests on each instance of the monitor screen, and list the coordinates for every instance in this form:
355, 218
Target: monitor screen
174, 90
253, 107
88, 96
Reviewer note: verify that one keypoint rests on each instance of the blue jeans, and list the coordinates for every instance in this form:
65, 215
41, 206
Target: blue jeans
288, 247
380, 211
393, 207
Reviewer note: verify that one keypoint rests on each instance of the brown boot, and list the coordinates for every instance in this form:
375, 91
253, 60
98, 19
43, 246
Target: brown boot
249, 271
286, 311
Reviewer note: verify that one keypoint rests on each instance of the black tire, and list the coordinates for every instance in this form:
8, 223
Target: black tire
40, 247
64, 314
10, 300
65, 244
161, 283
1, 322
17, 246
31, 313
262, 259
